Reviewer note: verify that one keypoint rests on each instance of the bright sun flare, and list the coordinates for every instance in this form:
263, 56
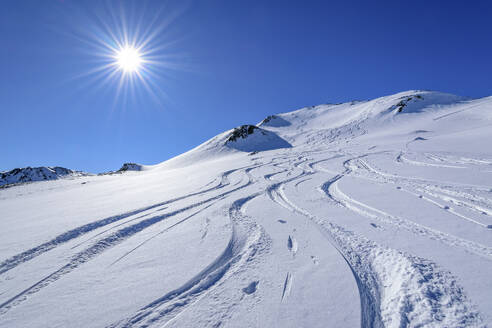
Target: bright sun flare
133, 55
129, 59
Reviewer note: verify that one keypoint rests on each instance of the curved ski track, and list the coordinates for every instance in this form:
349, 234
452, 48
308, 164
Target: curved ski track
373, 265
112, 239
245, 243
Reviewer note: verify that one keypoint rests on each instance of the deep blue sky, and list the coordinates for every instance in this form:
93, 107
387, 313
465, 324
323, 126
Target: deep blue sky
233, 62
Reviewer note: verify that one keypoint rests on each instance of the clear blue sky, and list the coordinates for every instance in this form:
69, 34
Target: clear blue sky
226, 63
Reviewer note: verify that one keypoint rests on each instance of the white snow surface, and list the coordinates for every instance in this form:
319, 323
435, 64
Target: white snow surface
376, 215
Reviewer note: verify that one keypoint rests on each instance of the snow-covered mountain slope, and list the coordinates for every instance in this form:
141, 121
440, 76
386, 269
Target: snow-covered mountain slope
371, 214
29, 174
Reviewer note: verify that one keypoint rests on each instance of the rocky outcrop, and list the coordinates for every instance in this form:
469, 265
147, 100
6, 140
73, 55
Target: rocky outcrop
251, 138
130, 167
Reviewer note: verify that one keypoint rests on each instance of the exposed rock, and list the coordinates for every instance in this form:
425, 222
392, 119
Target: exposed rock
241, 132
130, 167
125, 168
250, 138
404, 102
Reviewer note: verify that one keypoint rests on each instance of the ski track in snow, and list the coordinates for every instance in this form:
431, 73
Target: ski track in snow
474, 203
104, 244
425, 294
287, 286
244, 245
15, 260
25, 256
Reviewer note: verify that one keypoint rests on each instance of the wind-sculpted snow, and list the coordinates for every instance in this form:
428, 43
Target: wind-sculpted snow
376, 214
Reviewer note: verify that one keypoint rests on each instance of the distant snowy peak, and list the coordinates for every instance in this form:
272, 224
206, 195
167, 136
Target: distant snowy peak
250, 138
29, 174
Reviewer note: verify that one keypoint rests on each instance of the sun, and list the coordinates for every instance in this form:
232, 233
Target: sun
132, 53
129, 59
